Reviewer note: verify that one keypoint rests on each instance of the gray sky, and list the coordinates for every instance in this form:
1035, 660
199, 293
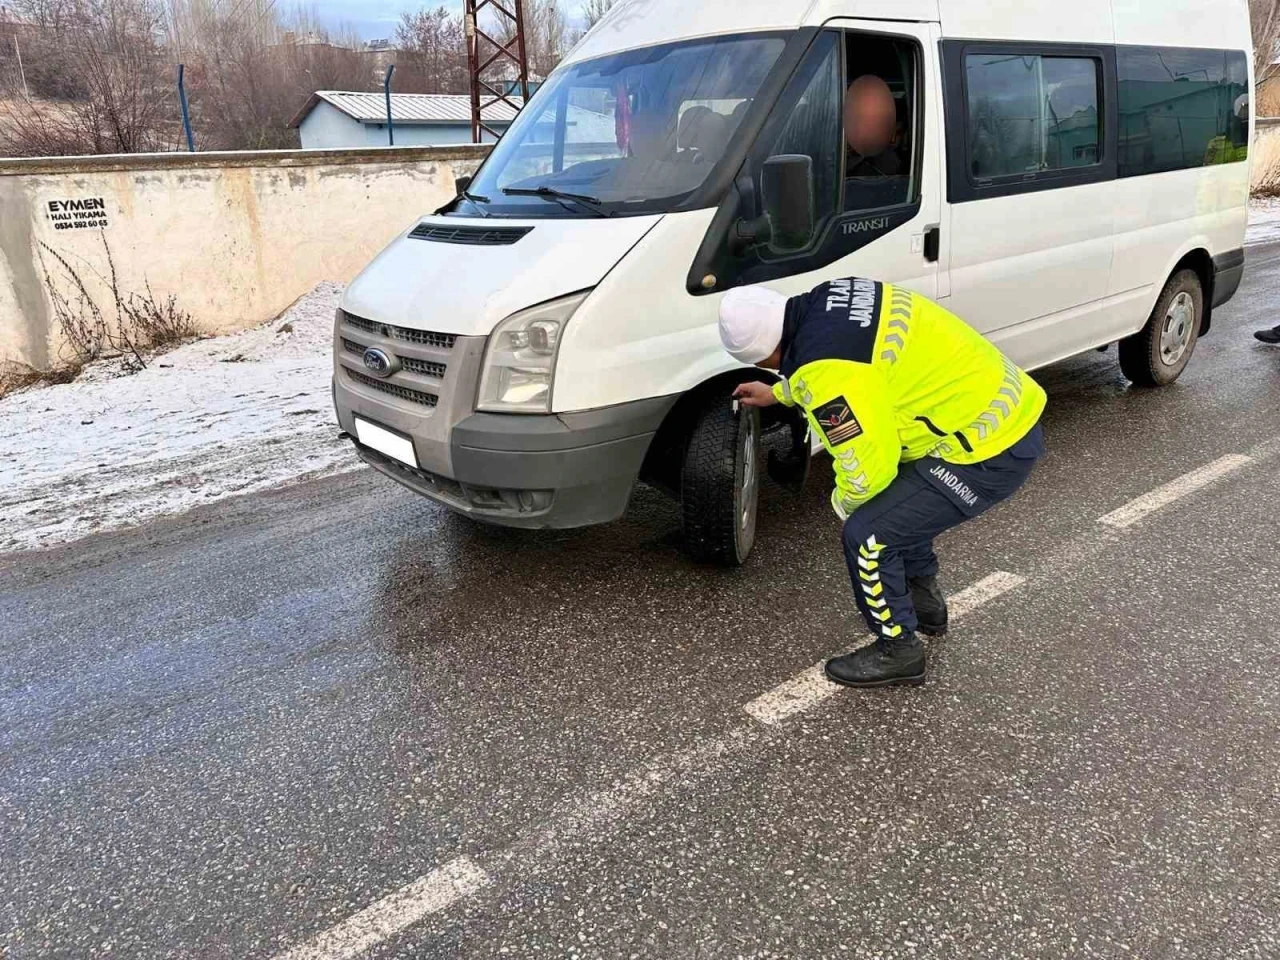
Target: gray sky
373, 18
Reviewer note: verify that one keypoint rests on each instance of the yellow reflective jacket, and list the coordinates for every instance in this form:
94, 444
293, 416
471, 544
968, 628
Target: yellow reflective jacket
886, 376
1223, 150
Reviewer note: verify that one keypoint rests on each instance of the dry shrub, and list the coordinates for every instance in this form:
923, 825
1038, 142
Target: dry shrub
1266, 177
80, 321
143, 322
18, 376
99, 76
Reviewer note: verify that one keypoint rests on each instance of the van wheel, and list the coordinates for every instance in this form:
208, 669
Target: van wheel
720, 484
1158, 353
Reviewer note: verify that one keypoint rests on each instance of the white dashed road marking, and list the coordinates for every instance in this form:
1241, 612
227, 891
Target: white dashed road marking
1135, 510
791, 697
806, 690
986, 589
394, 912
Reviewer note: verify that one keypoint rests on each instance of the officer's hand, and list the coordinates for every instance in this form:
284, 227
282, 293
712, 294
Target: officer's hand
755, 395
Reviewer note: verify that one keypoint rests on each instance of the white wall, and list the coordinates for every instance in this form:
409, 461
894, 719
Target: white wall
328, 128
234, 237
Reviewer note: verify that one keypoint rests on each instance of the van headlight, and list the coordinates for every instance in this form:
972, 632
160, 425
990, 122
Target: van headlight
520, 361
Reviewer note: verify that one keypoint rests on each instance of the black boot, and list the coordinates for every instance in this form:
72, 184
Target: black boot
885, 663
930, 604
1269, 336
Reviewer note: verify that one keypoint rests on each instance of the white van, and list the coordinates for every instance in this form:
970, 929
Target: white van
1064, 176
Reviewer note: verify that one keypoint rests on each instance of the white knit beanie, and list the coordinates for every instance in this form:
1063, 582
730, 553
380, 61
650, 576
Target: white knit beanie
751, 322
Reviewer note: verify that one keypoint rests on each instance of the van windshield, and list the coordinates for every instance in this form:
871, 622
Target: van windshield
630, 133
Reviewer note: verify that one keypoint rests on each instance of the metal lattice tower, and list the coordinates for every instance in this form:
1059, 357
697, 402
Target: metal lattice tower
484, 52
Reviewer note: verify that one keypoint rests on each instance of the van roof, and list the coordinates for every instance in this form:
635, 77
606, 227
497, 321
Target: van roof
1186, 23
642, 23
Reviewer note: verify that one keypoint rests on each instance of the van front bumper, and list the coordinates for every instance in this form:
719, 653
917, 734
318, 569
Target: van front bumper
533, 471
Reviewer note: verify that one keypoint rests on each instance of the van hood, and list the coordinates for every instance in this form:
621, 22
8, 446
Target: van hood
467, 288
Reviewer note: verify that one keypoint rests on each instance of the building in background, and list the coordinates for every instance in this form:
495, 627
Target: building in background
381, 54
332, 119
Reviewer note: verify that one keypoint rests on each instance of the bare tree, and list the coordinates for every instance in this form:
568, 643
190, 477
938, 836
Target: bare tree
1265, 15
250, 69
103, 61
594, 10
546, 36
433, 53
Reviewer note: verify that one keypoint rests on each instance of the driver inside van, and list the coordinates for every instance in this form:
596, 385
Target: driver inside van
871, 129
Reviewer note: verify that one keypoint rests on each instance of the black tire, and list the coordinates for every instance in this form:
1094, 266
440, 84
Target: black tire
1158, 353
720, 484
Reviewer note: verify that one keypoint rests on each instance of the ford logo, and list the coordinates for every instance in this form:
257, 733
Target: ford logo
378, 362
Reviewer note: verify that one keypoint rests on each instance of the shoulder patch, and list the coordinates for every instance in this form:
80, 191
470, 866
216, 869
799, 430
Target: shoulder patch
837, 422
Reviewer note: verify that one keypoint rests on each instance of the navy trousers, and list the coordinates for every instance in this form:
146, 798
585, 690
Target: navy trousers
890, 539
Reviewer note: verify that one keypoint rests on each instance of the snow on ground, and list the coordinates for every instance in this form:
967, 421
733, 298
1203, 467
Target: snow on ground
211, 419
1264, 220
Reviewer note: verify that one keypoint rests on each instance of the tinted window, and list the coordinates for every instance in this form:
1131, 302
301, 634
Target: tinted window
812, 107
1181, 108
1031, 114
879, 126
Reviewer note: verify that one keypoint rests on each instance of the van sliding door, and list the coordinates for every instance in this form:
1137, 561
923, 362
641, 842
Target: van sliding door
1031, 160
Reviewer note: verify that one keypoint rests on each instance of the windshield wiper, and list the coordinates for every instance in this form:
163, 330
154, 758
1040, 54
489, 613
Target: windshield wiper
475, 197
551, 193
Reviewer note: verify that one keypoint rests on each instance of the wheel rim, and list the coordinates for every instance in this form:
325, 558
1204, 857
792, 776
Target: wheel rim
1179, 325
747, 489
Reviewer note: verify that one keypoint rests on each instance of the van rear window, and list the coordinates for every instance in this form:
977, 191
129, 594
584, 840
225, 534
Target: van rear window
1181, 108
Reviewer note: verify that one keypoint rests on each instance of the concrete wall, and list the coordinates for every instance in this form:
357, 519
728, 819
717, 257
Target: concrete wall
235, 237
1265, 154
328, 128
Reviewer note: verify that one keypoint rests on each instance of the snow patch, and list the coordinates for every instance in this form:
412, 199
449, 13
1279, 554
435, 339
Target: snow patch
210, 419
1264, 220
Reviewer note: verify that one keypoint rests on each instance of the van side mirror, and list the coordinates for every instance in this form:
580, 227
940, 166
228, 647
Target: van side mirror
786, 224
461, 184
786, 183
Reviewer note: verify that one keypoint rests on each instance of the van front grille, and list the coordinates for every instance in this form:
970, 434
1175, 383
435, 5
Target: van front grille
424, 367
426, 338
395, 390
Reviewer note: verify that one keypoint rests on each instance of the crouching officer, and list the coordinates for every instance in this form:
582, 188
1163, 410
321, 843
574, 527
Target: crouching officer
928, 424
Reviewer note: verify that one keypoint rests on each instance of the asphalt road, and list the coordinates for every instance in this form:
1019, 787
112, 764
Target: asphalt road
335, 717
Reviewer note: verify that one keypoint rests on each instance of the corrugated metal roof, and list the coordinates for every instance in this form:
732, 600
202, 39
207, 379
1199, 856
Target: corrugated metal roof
415, 107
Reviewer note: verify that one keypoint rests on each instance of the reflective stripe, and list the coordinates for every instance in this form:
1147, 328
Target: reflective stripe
851, 467
786, 392
1005, 404
838, 506
901, 307
873, 589
803, 394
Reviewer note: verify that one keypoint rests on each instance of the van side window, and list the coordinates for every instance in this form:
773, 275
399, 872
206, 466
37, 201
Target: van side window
880, 120
1032, 114
1181, 108
851, 108
813, 106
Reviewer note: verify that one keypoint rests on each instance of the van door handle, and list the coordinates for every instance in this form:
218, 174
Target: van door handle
932, 243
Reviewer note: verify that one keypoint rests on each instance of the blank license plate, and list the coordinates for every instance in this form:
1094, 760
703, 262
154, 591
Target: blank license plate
385, 442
